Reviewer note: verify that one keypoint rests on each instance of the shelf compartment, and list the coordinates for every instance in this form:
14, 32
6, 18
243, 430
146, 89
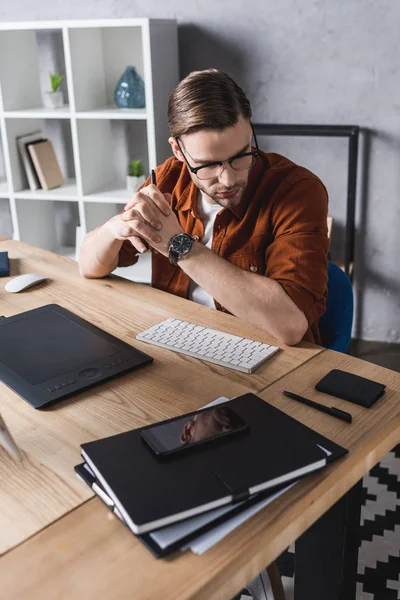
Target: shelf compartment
49, 225
24, 75
99, 56
105, 148
58, 131
4, 188
6, 226
4, 193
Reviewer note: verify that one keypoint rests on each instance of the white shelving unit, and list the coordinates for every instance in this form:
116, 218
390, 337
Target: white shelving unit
94, 140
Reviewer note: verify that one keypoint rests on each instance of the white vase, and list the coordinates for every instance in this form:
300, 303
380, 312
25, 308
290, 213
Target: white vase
54, 99
132, 183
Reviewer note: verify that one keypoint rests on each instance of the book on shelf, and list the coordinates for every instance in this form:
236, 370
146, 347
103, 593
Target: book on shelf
22, 142
46, 164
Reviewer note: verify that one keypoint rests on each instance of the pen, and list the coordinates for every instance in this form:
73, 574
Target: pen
334, 412
7, 442
153, 177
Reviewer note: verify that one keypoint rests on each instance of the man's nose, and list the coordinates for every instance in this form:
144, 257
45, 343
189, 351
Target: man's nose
227, 175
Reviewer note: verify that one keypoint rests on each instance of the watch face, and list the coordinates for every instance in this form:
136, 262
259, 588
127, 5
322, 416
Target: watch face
182, 243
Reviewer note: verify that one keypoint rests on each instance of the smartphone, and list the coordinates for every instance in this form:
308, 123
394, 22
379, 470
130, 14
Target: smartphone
193, 429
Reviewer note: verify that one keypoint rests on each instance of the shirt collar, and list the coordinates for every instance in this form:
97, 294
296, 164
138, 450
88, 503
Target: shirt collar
188, 198
256, 174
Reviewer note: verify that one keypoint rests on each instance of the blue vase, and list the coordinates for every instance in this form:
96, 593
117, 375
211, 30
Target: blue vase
129, 92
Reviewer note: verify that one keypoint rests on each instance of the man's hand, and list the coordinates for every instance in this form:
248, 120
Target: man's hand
148, 218
139, 222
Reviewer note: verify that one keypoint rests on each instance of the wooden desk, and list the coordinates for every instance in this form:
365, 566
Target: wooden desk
88, 554
44, 487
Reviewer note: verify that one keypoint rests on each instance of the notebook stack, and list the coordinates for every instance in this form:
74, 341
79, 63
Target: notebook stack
185, 499
40, 162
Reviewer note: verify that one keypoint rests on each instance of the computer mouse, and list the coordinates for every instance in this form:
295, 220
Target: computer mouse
23, 282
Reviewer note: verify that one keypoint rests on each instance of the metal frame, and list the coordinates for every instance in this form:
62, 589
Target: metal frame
348, 131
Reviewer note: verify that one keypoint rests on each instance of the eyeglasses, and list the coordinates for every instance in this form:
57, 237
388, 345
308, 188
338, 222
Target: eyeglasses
241, 162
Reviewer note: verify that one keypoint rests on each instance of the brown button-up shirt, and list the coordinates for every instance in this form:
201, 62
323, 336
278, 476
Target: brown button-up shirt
278, 230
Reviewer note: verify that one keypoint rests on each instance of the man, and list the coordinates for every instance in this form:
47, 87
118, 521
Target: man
228, 225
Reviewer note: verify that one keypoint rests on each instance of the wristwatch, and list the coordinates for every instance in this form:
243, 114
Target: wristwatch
179, 245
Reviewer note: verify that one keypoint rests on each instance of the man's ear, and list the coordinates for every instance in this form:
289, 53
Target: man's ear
175, 149
187, 432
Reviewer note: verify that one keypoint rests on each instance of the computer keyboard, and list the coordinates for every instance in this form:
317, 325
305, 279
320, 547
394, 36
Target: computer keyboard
208, 344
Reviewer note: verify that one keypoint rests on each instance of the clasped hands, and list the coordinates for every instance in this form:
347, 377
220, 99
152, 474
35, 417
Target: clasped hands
147, 217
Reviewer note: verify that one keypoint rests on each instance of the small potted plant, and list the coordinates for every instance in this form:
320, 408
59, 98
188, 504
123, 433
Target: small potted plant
135, 176
55, 98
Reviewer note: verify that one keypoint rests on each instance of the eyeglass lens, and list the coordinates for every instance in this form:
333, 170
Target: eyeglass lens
241, 163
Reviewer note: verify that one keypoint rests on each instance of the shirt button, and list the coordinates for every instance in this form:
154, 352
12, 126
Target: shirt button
196, 237
253, 268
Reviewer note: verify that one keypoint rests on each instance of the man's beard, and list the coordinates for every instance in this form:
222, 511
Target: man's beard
217, 188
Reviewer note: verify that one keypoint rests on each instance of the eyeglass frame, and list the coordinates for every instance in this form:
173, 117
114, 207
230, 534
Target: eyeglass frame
195, 170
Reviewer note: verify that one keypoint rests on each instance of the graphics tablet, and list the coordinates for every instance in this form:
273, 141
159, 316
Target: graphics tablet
49, 353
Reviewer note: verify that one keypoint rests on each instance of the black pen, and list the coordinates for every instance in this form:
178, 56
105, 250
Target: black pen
334, 412
153, 177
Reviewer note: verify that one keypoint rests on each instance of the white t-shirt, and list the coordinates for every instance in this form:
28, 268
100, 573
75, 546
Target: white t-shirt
207, 212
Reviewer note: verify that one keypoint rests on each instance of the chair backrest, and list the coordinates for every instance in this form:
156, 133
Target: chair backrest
336, 324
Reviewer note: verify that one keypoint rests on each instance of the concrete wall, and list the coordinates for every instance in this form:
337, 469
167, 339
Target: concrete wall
315, 61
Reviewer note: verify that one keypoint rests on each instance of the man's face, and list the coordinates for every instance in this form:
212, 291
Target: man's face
206, 146
207, 424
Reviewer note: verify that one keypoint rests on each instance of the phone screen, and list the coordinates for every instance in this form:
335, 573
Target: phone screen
193, 429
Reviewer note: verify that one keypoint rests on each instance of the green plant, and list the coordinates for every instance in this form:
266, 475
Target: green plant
55, 81
135, 168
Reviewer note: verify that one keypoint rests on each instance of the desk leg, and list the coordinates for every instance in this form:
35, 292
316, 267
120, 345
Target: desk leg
327, 554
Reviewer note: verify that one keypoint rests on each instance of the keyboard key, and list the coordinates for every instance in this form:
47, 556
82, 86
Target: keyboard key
246, 365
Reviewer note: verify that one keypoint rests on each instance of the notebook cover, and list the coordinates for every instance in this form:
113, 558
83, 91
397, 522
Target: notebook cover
151, 492
46, 164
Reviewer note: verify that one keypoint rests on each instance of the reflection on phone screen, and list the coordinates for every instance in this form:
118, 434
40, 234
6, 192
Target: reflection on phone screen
201, 426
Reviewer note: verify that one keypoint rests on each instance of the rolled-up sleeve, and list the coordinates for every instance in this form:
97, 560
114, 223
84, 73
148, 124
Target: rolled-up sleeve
297, 257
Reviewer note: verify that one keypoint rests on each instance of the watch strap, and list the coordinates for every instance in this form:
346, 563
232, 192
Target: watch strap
173, 257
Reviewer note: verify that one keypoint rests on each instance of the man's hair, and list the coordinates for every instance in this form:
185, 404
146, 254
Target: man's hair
208, 99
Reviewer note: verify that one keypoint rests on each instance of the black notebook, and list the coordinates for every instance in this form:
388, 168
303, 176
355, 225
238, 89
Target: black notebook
151, 493
166, 540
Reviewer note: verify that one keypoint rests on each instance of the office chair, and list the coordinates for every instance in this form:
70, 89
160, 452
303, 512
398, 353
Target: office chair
335, 325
